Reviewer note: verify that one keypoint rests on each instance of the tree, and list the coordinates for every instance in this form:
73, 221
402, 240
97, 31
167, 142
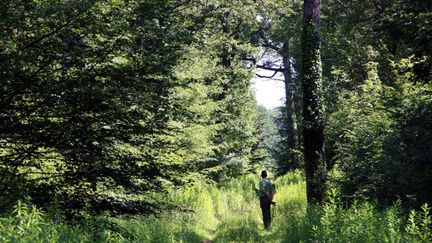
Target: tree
313, 110
268, 150
370, 136
279, 40
227, 31
84, 107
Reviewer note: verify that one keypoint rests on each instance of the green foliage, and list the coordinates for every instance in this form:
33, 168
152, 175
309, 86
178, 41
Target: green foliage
361, 31
105, 103
214, 98
286, 158
85, 101
111, 105
418, 226
266, 150
377, 73
378, 143
29, 224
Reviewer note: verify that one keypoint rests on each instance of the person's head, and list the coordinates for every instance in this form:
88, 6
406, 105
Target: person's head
264, 174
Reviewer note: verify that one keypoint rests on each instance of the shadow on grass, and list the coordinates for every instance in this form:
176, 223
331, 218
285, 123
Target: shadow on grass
238, 234
246, 230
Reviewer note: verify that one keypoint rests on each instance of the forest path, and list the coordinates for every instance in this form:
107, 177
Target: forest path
243, 223
238, 214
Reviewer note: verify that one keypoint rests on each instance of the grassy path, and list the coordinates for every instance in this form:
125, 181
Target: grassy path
230, 213
242, 220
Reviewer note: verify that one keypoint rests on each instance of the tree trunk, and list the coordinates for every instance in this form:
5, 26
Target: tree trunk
289, 105
313, 119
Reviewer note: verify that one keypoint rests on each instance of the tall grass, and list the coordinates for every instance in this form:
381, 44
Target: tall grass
28, 224
230, 213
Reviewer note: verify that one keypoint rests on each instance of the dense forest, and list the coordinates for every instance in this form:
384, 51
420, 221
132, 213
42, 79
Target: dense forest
136, 120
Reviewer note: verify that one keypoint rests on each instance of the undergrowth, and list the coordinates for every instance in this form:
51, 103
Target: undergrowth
229, 213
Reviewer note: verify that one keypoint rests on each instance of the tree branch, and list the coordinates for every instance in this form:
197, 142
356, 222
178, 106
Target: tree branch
55, 31
270, 68
264, 76
270, 78
267, 42
250, 59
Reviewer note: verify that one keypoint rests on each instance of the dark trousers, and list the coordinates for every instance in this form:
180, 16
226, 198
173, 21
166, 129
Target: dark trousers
265, 208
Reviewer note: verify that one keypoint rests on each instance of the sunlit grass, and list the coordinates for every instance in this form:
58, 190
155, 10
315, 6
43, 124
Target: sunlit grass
229, 213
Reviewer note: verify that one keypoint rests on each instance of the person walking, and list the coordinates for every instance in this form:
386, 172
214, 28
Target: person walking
265, 194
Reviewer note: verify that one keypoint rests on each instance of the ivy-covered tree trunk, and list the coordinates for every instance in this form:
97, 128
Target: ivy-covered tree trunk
313, 119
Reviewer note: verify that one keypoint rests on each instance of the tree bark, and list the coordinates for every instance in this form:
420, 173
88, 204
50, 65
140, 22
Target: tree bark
313, 119
289, 104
